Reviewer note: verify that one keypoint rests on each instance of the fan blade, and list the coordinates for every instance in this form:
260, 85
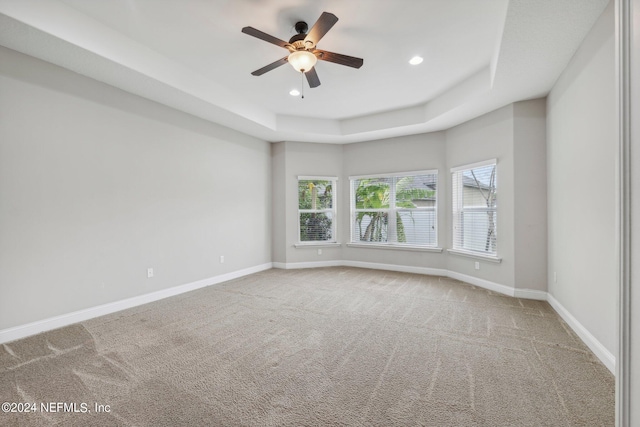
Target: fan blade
270, 67
321, 27
266, 37
349, 61
312, 78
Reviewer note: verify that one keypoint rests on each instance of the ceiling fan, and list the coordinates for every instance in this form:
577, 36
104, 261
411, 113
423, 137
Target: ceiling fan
303, 53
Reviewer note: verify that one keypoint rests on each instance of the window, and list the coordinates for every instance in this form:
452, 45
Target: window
395, 209
316, 209
474, 208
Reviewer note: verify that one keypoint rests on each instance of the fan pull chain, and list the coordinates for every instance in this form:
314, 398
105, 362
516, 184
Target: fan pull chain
302, 83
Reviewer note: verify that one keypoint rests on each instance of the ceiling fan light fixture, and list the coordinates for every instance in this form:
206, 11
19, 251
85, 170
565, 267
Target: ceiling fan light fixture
302, 60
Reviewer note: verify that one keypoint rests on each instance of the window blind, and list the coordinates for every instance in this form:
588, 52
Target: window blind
395, 209
316, 209
475, 216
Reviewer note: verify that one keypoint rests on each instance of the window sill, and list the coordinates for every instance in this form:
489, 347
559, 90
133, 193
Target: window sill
395, 247
317, 244
468, 254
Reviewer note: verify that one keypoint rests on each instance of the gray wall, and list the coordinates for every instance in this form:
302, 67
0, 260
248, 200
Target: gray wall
403, 154
279, 202
581, 157
630, 344
484, 138
530, 196
292, 159
97, 185
513, 134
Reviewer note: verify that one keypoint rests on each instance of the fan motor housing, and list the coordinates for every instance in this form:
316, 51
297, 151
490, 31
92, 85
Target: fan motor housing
301, 27
297, 38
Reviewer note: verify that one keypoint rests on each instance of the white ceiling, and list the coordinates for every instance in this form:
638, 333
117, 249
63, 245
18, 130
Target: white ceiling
190, 55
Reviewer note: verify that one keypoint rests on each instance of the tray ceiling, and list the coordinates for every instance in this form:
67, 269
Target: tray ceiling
191, 55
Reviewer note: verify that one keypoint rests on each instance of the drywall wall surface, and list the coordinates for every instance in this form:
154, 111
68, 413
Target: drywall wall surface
279, 202
633, 353
581, 184
490, 136
97, 186
309, 159
530, 194
402, 154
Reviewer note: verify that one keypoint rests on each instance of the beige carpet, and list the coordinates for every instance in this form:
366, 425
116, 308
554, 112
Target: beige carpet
318, 347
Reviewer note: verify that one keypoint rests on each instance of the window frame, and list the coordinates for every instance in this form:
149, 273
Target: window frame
456, 218
391, 211
333, 210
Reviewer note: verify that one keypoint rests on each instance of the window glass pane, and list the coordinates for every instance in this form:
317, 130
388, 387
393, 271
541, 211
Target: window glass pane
416, 191
474, 209
372, 193
416, 227
479, 231
316, 199
479, 186
315, 226
410, 202
315, 194
370, 227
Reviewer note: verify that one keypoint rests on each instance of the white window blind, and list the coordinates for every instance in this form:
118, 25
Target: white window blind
316, 209
475, 202
395, 209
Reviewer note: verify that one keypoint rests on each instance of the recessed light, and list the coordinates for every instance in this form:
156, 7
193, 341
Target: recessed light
294, 92
416, 60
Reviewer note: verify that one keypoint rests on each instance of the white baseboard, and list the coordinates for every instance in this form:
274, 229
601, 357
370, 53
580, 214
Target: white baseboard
530, 294
360, 264
605, 356
33, 328
395, 267
486, 284
312, 264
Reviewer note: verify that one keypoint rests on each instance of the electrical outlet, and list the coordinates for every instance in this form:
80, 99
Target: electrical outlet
477, 265
319, 251
149, 273
221, 259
